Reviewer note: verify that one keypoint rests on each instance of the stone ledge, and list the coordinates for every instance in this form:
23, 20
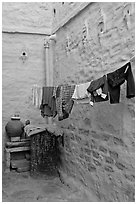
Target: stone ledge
17, 149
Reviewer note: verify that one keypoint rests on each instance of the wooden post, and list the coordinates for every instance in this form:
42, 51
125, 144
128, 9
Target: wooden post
7, 154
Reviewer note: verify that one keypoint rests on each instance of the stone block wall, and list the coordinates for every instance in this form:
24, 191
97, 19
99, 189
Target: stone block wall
62, 12
100, 140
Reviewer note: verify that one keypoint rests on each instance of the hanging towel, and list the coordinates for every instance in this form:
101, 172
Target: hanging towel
64, 102
116, 79
80, 91
36, 95
98, 90
48, 104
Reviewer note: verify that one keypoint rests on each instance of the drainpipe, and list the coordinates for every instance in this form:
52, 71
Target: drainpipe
49, 46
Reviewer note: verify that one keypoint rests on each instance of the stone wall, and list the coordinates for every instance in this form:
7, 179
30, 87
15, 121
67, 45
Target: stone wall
63, 12
100, 140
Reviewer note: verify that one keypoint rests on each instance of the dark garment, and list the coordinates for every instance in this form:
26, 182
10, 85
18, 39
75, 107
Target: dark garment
98, 98
14, 128
96, 84
64, 102
116, 79
130, 92
48, 104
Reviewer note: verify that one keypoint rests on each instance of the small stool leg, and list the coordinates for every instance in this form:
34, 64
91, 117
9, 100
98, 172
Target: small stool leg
7, 162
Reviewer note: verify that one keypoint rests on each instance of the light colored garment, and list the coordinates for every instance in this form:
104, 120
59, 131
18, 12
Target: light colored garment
80, 91
100, 93
36, 95
31, 130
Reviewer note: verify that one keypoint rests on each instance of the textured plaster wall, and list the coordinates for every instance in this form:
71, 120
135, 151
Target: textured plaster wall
27, 17
19, 76
99, 141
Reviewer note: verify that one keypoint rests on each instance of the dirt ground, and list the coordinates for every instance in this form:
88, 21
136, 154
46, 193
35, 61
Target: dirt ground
21, 187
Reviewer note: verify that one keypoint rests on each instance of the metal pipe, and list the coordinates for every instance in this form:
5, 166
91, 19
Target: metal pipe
49, 45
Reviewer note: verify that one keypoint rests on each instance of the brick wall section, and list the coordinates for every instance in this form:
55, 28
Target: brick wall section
99, 142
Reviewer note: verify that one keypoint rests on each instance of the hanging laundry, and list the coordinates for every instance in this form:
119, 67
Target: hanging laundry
36, 95
98, 90
80, 91
130, 92
80, 94
100, 93
64, 101
116, 79
48, 104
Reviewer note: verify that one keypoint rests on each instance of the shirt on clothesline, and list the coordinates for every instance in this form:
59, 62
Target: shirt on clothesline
98, 90
48, 104
116, 79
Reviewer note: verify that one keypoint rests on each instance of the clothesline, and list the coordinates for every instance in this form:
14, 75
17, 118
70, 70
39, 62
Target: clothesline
93, 91
132, 58
122, 65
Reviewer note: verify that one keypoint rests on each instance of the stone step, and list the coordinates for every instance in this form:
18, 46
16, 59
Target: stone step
17, 144
15, 139
23, 169
23, 163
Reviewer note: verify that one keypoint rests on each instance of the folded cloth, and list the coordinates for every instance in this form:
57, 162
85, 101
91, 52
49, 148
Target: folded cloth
32, 130
99, 90
48, 104
64, 102
116, 79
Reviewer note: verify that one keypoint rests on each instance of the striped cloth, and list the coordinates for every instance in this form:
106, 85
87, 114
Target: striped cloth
64, 101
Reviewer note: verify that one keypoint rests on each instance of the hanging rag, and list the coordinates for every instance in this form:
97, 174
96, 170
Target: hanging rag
98, 90
36, 95
80, 91
116, 79
48, 104
64, 101
80, 94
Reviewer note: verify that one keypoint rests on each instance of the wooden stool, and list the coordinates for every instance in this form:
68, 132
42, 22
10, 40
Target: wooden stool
14, 147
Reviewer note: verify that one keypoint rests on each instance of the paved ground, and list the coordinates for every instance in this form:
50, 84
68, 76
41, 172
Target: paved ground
21, 187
